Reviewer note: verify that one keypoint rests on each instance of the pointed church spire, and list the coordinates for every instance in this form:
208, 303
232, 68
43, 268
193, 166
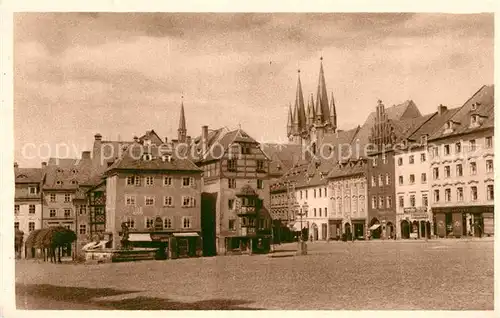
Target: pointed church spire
182, 131
299, 104
322, 111
289, 126
296, 120
333, 114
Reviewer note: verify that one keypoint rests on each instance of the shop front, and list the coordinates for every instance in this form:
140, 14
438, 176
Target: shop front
169, 245
463, 221
359, 228
414, 223
335, 229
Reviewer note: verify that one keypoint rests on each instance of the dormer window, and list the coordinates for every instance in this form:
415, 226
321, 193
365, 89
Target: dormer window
423, 139
74, 182
59, 170
74, 171
147, 157
449, 127
475, 120
166, 158
405, 143
474, 106
59, 182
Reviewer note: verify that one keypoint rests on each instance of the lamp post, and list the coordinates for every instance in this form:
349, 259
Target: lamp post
301, 212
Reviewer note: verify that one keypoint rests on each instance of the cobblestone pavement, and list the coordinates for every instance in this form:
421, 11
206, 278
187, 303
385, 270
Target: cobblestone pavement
446, 274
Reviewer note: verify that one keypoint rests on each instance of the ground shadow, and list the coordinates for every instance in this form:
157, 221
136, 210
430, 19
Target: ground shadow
41, 295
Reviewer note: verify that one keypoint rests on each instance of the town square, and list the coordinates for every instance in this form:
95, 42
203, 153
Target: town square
287, 161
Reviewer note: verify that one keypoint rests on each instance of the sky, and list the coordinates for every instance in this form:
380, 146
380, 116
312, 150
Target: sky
120, 74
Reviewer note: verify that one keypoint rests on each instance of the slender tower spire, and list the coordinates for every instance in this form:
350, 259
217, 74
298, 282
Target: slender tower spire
333, 114
322, 111
296, 120
311, 114
299, 104
182, 131
289, 126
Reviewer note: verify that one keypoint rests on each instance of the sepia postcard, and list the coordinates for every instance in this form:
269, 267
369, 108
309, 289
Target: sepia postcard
252, 161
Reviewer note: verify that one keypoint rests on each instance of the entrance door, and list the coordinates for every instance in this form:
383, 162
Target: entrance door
324, 231
183, 247
389, 230
405, 229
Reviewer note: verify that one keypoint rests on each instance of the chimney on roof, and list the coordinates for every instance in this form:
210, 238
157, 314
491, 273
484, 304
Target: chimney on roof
85, 155
166, 140
98, 137
204, 138
44, 164
442, 109
16, 165
136, 139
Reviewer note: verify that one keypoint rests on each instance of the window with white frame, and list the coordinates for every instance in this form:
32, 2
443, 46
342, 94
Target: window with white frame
389, 202
447, 171
447, 150
319, 212
33, 190
232, 225
423, 177
52, 197
374, 162
260, 184
129, 222
489, 165
16, 225
186, 181
133, 180
411, 159
186, 222
489, 142
401, 200
374, 202
400, 161
52, 213
231, 183
473, 168
472, 145
148, 222
473, 193
435, 173
16, 209
83, 229
168, 201
460, 194
384, 159
83, 209
31, 226
435, 151
436, 195
188, 201
67, 213
401, 180
447, 195
381, 202
458, 147
231, 164
130, 199
149, 200
67, 197
380, 180
412, 178
490, 193
387, 179
260, 165
425, 200
423, 157
459, 170
167, 181
167, 222
412, 200
149, 180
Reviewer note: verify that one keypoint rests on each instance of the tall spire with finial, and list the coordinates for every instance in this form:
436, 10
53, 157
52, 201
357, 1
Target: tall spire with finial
333, 114
322, 111
289, 126
296, 120
299, 104
311, 112
182, 131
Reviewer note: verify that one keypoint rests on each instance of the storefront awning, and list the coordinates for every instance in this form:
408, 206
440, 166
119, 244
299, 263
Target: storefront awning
186, 234
374, 227
139, 237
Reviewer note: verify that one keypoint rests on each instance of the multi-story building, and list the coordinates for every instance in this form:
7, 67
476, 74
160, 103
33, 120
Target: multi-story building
462, 176
385, 134
27, 199
157, 195
230, 160
413, 179
63, 195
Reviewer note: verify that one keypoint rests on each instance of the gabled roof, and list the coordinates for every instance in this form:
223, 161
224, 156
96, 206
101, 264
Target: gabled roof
485, 96
433, 123
283, 156
133, 159
407, 109
151, 135
62, 162
67, 177
28, 175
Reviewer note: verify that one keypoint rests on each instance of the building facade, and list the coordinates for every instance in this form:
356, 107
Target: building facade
158, 197
27, 199
462, 156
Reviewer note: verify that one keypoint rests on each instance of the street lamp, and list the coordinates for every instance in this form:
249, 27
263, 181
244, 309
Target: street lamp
301, 212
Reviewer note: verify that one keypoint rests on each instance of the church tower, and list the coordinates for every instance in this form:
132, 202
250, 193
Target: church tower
182, 131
